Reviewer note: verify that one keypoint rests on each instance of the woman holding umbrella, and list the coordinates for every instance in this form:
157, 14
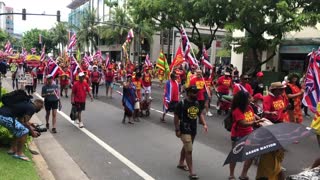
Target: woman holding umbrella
243, 121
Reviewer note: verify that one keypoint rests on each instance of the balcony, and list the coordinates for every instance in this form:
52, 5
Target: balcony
76, 3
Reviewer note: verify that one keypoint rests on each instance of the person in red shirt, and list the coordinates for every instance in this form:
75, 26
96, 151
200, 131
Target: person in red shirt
224, 84
199, 82
171, 95
95, 81
146, 83
136, 80
243, 85
109, 77
275, 104
243, 119
78, 96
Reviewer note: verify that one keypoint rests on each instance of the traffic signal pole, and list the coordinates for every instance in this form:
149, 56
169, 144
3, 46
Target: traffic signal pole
24, 14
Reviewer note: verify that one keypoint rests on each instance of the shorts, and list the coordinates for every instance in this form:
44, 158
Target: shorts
147, 90
109, 84
18, 130
172, 106
80, 106
187, 140
201, 104
40, 76
51, 105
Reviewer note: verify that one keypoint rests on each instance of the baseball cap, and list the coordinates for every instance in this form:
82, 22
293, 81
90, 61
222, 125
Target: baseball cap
258, 96
81, 74
260, 74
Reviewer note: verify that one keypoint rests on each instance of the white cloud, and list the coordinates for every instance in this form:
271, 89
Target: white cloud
38, 7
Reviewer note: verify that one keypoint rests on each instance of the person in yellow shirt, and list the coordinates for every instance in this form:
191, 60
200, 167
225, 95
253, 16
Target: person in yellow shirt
189, 76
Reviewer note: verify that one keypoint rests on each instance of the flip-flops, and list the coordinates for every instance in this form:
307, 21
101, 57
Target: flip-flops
11, 152
183, 167
24, 158
244, 178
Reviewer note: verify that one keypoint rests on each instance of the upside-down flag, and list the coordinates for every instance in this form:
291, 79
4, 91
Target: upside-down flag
312, 82
43, 53
130, 35
72, 41
7, 47
187, 48
33, 50
178, 59
169, 88
53, 68
205, 58
147, 61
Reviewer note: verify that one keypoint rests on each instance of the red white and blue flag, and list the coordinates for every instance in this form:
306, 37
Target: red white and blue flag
98, 56
170, 87
53, 68
72, 41
205, 58
312, 82
147, 61
187, 48
107, 60
130, 35
24, 54
74, 66
33, 50
8, 48
43, 53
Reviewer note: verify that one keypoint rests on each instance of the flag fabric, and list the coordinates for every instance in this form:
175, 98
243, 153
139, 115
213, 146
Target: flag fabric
107, 60
98, 56
130, 35
205, 53
33, 50
169, 88
74, 66
312, 82
53, 68
162, 62
43, 53
24, 54
178, 59
8, 48
206, 63
72, 41
187, 48
147, 61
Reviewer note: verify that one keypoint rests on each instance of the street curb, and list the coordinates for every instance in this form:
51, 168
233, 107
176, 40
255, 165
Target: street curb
42, 167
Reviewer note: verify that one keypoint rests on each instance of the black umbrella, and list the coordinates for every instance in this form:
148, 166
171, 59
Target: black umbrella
266, 139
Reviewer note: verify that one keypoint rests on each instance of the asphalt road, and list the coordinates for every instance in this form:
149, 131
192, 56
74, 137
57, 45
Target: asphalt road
151, 146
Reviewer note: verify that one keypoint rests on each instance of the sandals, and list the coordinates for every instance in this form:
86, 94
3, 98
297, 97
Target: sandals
22, 157
231, 178
193, 176
183, 167
54, 130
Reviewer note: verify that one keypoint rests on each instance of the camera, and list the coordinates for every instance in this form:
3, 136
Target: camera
40, 128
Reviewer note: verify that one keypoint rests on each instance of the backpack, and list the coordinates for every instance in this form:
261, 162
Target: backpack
228, 121
15, 97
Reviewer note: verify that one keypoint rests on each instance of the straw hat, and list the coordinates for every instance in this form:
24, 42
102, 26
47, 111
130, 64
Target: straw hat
277, 85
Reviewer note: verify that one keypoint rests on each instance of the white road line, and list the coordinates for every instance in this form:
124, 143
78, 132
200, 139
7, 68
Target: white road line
161, 112
115, 153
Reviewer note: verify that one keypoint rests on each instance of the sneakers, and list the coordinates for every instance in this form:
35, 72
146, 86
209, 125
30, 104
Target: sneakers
209, 114
81, 125
76, 121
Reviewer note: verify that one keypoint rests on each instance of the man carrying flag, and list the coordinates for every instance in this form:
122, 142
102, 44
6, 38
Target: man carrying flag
171, 96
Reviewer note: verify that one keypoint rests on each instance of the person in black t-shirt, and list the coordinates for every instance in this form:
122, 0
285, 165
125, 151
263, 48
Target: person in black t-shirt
186, 114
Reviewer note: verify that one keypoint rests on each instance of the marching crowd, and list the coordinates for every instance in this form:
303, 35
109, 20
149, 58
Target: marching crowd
187, 92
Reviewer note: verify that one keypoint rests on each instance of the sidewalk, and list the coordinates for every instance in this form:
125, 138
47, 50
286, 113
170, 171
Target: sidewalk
53, 162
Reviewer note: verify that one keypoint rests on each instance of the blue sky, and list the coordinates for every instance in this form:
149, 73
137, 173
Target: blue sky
37, 6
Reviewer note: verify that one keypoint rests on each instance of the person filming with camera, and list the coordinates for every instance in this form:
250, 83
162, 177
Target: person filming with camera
16, 119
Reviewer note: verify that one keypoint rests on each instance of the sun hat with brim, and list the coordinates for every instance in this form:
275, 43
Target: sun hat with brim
94, 66
277, 85
227, 74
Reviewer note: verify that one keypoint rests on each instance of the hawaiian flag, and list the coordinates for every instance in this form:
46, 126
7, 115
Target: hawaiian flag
312, 82
107, 59
74, 66
98, 55
206, 63
8, 48
53, 68
170, 87
187, 48
43, 53
147, 61
130, 35
33, 50
72, 41
24, 54
86, 59
178, 59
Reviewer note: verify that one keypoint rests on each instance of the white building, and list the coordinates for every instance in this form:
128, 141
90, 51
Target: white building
6, 21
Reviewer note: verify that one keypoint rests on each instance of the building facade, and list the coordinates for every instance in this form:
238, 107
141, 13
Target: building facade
6, 21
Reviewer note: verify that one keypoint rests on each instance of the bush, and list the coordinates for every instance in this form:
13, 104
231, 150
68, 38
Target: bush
5, 135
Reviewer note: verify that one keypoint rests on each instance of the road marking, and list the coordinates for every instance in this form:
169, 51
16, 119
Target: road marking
115, 153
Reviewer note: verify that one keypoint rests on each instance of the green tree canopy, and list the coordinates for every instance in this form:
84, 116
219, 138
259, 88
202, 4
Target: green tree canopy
30, 40
191, 13
265, 23
59, 34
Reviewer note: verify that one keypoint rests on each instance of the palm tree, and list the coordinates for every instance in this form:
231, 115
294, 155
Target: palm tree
87, 33
60, 35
